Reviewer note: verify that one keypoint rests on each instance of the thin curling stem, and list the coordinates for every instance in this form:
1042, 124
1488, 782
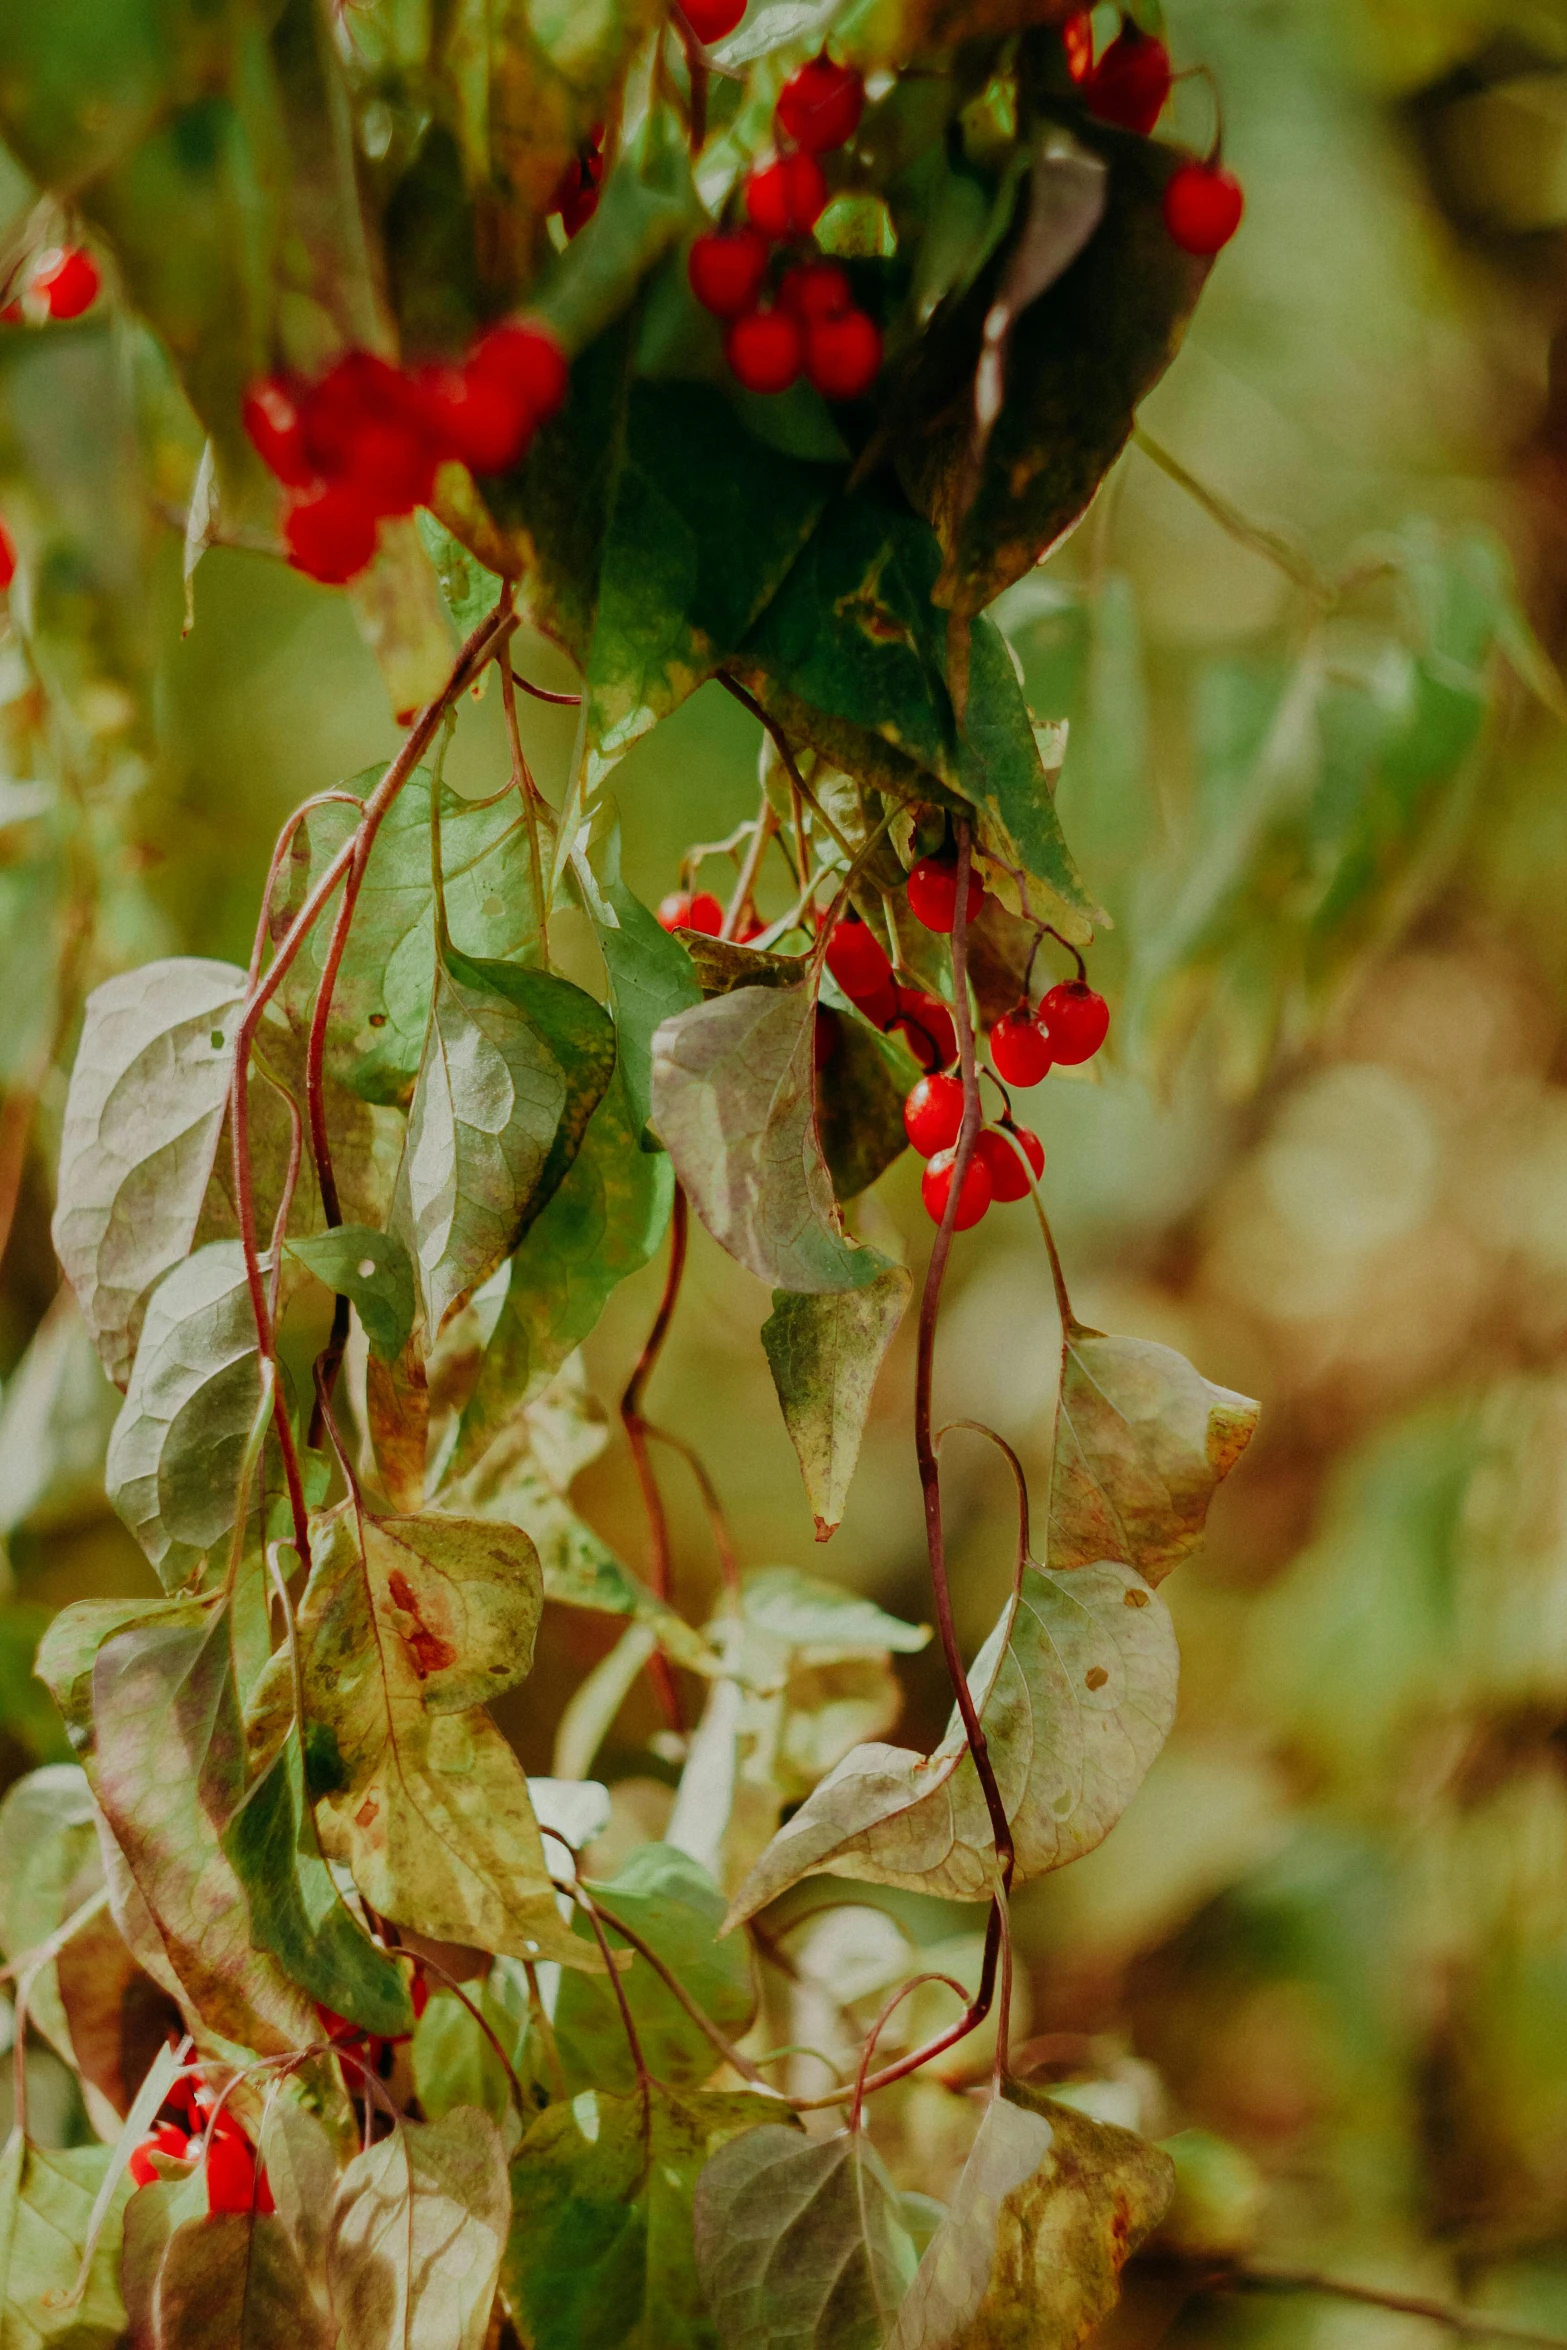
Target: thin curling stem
660, 1671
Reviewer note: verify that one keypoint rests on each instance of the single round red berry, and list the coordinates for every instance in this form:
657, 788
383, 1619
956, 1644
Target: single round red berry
1131, 82
880, 1006
1077, 40
1008, 1176
726, 269
271, 418
973, 1199
332, 536
712, 20
576, 193
479, 422
7, 559
926, 1023
1076, 1021
1019, 1048
765, 350
820, 106
933, 893
816, 289
857, 959
843, 355
66, 282
231, 2174
681, 911
933, 1113
786, 198
1202, 207
169, 2139
527, 361
365, 423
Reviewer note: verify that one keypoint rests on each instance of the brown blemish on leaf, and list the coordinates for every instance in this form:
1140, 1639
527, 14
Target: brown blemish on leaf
1135, 1598
364, 1817
1095, 1677
430, 1653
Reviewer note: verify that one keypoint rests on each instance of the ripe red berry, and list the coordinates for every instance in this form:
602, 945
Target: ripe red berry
816, 289
231, 2175
712, 20
973, 1199
271, 418
366, 423
1131, 82
66, 282
1076, 1021
786, 198
330, 537
1020, 1048
1077, 39
576, 193
843, 355
1008, 1178
726, 269
765, 350
857, 959
880, 1006
526, 361
933, 1113
7, 559
820, 106
1202, 207
681, 911
926, 1023
168, 2138
933, 893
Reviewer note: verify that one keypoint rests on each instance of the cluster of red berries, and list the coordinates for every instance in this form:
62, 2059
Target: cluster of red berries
62, 282
236, 2179
364, 441
1003, 1157
859, 962
811, 324
369, 2050
1128, 86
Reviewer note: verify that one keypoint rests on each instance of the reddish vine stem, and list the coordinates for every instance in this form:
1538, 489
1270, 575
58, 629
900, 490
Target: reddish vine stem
264, 986
930, 1303
718, 1523
969, 2021
644, 2077
529, 793
660, 1671
880, 2025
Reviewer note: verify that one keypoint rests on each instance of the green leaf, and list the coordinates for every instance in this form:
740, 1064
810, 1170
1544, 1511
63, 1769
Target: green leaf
48, 1867
405, 1626
371, 1268
54, 1429
470, 590
733, 1102
824, 1353
672, 1903
454, 2063
1143, 1443
1047, 2210
46, 2205
1002, 773
801, 2244
646, 204
600, 2255
804, 1612
529, 85
233, 2281
142, 1119
167, 1771
860, 1093
381, 1002
25, 1706
650, 973
173, 1469
296, 1911
418, 2230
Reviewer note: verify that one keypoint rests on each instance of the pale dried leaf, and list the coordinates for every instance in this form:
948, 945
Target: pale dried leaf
825, 1353
417, 2234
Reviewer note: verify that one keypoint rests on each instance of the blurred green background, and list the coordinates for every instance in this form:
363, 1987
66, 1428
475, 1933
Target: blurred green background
1325, 1154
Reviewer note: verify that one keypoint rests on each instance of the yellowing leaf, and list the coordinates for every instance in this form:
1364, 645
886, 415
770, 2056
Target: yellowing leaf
1143, 1442
801, 2244
417, 2233
46, 2204
48, 1864
403, 1630
1047, 2210
824, 1353
732, 1101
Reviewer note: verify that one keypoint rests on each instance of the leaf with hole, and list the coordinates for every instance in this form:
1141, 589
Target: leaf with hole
373, 1270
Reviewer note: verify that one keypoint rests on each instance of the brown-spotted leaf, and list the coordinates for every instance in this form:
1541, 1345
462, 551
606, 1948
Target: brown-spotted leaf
1143, 1443
1047, 2210
417, 2233
825, 1352
233, 2280
404, 1626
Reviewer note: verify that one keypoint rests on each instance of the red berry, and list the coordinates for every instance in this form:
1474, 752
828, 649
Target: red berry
711, 20
1008, 1177
816, 289
1020, 1048
726, 269
7, 559
927, 1024
681, 911
168, 2138
1076, 1020
973, 1199
843, 355
338, 2027
1131, 82
480, 423
765, 350
67, 282
365, 423
576, 192
330, 537
820, 106
786, 198
1202, 207
419, 1994
933, 893
526, 361
271, 417
857, 959
1077, 39
880, 1006
933, 1113
231, 2173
